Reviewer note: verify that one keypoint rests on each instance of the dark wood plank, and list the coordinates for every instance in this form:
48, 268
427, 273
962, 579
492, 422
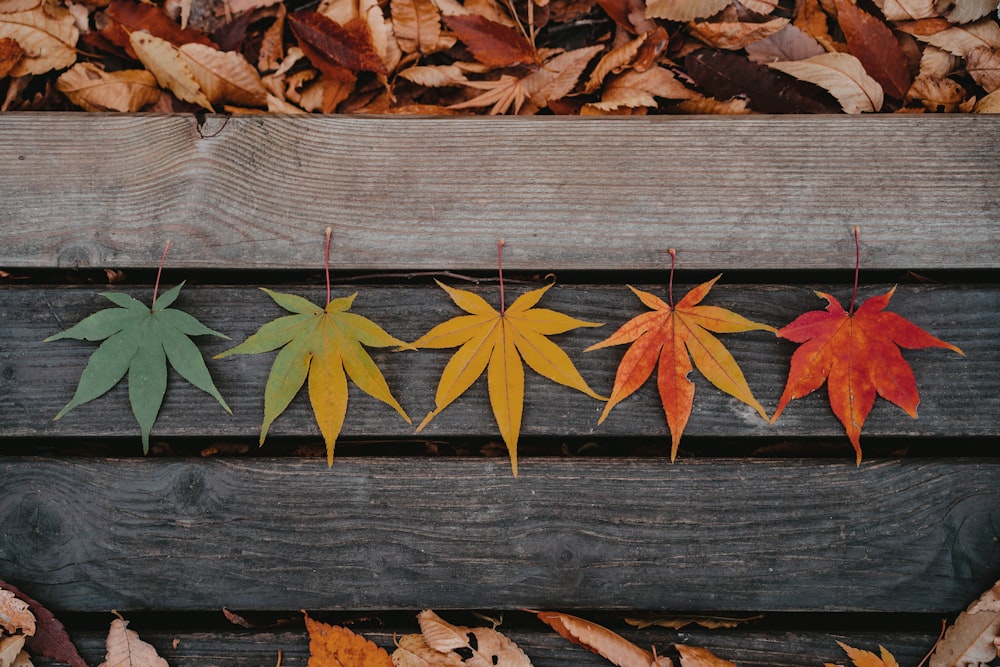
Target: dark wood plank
742, 192
545, 649
409, 533
960, 395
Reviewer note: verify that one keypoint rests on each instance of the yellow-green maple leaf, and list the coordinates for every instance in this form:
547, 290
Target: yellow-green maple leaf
325, 345
497, 342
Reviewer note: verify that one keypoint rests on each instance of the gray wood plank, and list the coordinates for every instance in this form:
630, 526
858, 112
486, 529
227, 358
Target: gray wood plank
409, 533
431, 193
960, 396
545, 649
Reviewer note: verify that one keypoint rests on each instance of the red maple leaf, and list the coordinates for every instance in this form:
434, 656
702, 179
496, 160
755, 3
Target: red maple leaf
857, 355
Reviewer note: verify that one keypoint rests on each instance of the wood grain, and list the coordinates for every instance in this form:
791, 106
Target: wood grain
960, 395
410, 533
88, 190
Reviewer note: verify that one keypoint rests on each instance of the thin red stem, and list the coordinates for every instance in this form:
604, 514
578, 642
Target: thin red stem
326, 263
857, 268
503, 304
159, 271
673, 263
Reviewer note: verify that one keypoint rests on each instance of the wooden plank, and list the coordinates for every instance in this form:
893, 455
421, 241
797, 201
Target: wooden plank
430, 193
545, 649
409, 533
960, 395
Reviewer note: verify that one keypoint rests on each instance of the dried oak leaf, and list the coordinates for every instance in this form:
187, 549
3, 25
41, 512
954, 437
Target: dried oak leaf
140, 340
862, 658
319, 344
492, 43
971, 640
50, 638
497, 342
671, 336
339, 51
335, 646
684, 10
47, 35
857, 355
169, 67
842, 75
10, 53
478, 647
725, 75
872, 42
94, 89
125, 649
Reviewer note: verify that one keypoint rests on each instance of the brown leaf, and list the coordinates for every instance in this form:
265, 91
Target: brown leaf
128, 17
614, 60
48, 37
907, 10
8, 6
169, 67
966, 11
970, 641
558, 76
938, 94
501, 94
492, 43
710, 105
338, 51
15, 617
224, 76
602, 641
50, 638
789, 43
842, 75
733, 35
10, 649
872, 42
960, 40
435, 76
10, 53
989, 104
417, 25
684, 10
91, 88
696, 656
983, 64
491, 649
125, 649
811, 19
413, 651
640, 89
334, 646
682, 621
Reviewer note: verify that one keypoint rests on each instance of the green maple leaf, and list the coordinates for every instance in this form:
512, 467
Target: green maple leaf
140, 340
320, 344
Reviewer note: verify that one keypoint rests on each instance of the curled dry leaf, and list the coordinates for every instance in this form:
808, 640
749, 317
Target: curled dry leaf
413, 651
15, 617
938, 94
614, 60
970, 641
602, 641
842, 75
733, 35
684, 10
479, 647
125, 649
937, 63
710, 105
558, 76
640, 89
224, 76
169, 67
50, 638
90, 87
127, 17
789, 43
47, 35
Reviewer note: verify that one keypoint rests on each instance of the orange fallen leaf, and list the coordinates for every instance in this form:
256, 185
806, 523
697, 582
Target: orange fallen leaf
15, 617
125, 649
334, 646
972, 639
459, 645
667, 336
862, 658
490, 42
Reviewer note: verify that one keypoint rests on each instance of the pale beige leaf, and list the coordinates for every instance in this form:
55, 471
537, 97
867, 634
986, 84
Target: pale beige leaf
710, 105
695, 656
907, 10
413, 651
684, 10
417, 25
502, 94
48, 38
558, 76
989, 104
789, 43
966, 11
93, 89
451, 7
435, 76
961, 39
272, 45
983, 63
340, 11
277, 105
614, 61
169, 67
602, 641
492, 10
15, 616
241, 6
492, 648
937, 94
10, 648
640, 89
224, 76
322, 95
733, 35
125, 649
970, 641
937, 63
8, 6
762, 7
842, 75
22, 660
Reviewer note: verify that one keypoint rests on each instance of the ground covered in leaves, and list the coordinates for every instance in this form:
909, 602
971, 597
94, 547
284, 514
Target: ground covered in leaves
587, 57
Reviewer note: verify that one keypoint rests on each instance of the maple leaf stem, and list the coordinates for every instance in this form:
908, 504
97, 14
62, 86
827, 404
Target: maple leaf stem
503, 305
159, 271
673, 263
857, 269
326, 263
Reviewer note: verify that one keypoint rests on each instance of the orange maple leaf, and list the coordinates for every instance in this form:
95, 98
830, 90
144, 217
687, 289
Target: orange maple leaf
857, 355
332, 646
862, 658
668, 335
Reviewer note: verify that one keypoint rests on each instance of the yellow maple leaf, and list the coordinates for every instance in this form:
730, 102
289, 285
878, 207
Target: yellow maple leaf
497, 342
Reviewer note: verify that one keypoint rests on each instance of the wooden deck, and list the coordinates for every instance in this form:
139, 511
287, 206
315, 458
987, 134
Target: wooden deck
752, 518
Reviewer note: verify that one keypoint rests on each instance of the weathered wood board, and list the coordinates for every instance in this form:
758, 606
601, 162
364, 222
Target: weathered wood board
409, 533
88, 190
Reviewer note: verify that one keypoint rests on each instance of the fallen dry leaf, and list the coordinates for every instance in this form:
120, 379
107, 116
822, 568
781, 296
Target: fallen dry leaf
47, 35
225, 77
15, 617
413, 651
558, 76
125, 649
842, 75
417, 25
10, 649
989, 104
789, 43
961, 39
872, 42
733, 35
10, 53
970, 641
335, 646
983, 64
479, 647
938, 94
682, 621
907, 10
966, 11
92, 88
602, 641
50, 638
339, 51
169, 67
862, 658
640, 89
684, 10
492, 43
